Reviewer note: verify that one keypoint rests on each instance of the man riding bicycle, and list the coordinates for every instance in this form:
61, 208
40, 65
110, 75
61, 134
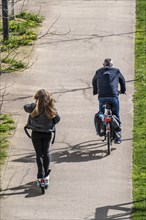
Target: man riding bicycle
105, 84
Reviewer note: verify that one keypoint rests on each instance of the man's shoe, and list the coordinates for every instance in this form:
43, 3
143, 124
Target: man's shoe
117, 141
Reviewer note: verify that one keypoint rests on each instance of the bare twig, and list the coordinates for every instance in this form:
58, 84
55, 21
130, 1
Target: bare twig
27, 55
28, 66
10, 53
24, 5
3, 94
59, 34
39, 12
47, 32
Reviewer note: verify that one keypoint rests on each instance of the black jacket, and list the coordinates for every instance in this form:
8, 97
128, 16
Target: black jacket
40, 123
106, 80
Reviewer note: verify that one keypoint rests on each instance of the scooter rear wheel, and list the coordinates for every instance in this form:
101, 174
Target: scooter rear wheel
42, 184
43, 190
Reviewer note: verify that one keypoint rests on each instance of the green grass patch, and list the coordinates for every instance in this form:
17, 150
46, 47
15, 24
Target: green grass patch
6, 126
22, 32
34, 18
12, 65
16, 41
139, 144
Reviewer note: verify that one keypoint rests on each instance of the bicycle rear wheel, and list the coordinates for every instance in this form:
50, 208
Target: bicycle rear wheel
109, 142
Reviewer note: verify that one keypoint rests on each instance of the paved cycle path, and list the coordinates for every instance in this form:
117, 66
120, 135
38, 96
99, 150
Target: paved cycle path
85, 183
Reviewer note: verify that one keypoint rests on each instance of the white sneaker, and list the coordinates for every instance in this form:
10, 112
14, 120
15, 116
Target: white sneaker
47, 178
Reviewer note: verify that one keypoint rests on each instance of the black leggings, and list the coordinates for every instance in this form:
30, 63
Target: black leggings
41, 145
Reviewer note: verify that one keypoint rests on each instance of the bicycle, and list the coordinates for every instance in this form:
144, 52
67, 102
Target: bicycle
109, 132
107, 125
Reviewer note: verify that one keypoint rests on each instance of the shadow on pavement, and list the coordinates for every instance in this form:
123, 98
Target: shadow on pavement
29, 190
125, 211
29, 158
127, 139
82, 152
104, 212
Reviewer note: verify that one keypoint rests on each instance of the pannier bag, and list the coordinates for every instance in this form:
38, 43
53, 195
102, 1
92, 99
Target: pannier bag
99, 124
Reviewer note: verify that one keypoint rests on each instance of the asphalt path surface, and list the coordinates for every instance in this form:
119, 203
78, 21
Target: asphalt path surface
85, 183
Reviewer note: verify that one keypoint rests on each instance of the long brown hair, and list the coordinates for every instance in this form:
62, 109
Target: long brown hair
44, 104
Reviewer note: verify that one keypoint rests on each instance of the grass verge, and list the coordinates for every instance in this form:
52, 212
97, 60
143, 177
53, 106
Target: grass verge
6, 126
139, 144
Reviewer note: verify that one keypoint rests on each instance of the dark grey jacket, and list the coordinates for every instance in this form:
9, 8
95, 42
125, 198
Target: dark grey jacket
105, 82
40, 123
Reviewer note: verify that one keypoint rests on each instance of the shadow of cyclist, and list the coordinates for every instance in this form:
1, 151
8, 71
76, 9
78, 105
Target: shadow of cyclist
82, 152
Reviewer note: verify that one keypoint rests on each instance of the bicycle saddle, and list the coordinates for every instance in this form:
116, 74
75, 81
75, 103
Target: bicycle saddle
108, 105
